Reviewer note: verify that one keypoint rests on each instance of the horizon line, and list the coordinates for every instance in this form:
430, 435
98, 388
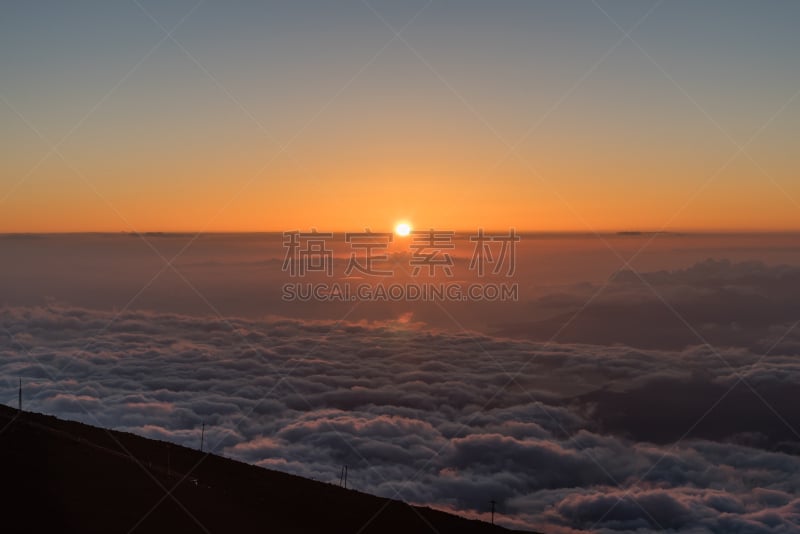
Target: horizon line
620, 232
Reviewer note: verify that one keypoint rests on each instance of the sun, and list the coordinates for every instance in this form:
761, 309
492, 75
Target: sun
402, 229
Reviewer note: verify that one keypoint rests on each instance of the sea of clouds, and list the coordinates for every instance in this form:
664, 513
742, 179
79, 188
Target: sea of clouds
566, 437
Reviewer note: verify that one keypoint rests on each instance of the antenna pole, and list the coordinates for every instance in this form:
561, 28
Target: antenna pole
19, 400
345, 477
492, 502
202, 436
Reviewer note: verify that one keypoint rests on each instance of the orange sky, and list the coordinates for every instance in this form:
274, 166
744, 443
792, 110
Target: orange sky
538, 118
428, 195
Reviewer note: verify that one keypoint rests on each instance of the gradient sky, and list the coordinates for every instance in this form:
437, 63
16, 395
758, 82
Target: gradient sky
281, 115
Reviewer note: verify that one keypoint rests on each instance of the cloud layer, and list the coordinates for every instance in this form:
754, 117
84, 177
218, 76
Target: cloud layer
729, 304
558, 435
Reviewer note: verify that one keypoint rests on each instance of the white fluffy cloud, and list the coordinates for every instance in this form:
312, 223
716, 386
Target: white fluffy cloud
432, 417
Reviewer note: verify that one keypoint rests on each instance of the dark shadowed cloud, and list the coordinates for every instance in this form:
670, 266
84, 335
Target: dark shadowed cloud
583, 438
726, 303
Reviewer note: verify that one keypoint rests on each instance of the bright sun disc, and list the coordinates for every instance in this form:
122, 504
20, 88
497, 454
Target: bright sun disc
402, 229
